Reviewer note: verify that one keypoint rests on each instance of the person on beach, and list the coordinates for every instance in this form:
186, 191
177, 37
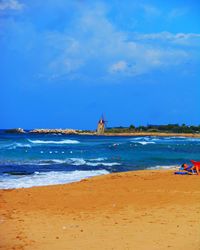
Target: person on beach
196, 166
191, 169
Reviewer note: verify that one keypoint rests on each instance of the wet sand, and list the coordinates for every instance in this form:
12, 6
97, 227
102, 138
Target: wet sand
133, 210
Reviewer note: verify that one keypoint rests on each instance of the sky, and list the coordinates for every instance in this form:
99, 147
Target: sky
65, 63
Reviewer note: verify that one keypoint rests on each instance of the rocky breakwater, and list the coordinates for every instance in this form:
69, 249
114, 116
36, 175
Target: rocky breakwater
15, 131
55, 131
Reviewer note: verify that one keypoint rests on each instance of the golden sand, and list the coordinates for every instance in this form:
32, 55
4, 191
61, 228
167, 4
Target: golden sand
134, 210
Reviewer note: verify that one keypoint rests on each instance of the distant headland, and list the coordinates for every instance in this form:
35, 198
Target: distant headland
149, 130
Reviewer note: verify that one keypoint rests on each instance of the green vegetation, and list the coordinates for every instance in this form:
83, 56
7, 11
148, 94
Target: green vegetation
169, 128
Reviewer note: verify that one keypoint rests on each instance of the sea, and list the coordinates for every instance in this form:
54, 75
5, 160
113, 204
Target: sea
28, 160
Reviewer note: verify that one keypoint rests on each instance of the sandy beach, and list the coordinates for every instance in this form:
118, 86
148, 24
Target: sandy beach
132, 210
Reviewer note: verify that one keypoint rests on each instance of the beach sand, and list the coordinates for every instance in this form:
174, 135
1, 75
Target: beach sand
134, 210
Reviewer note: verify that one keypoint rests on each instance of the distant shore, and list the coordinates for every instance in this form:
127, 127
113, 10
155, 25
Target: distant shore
82, 132
131, 210
154, 134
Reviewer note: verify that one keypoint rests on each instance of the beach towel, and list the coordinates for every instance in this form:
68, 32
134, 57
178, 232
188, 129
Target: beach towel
182, 173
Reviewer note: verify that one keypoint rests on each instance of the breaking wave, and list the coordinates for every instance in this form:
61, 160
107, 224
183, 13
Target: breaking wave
65, 162
46, 178
163, 167
15, 145
79, 162
145, 142
54, 142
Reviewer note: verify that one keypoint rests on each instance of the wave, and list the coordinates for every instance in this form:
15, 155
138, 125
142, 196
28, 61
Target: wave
54, 142
46, 178
15, 145
79, 162
88, 162
136, 138
145, 142
164, 138
164, 167
48, 162
21, 145
106, 164
193, 139
144, 138
66, 162
99, 159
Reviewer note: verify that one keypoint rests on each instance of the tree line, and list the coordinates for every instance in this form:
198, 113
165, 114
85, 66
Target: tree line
169, 128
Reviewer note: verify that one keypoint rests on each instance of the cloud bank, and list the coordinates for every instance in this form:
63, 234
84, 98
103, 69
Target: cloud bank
89, 45
11, 5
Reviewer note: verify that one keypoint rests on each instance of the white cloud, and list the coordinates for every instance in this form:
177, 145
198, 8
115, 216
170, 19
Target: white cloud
11, 5
168, 35
178, 38
148, 59
98, 42
95, 49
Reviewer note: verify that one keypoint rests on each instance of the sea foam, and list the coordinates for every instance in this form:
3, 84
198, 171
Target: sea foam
54, 142
15, 145
145, 142
80, 162
108, 164
163, 167
46, 178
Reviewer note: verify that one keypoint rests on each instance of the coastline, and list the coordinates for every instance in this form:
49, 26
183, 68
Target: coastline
80, 132
154, 134
149, 209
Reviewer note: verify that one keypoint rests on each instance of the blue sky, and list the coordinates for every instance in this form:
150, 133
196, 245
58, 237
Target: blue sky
64, 63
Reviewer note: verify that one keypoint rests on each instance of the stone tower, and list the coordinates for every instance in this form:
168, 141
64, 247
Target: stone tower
101, 126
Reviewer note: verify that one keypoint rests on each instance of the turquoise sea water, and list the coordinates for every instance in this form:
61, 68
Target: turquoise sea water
34, 160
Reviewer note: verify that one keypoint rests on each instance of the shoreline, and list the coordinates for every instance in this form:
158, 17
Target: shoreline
94, 133
155, 134
143, 209
171, 169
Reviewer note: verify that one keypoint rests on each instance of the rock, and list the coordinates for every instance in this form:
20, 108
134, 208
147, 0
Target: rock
54, 131
15, 131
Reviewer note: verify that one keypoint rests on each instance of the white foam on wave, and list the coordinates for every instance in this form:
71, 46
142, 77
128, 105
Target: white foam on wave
164, 139
193, 139
54, 142
15, 145
164, 167
78, 162
88, 162
136, 138
145, 142
49, 162
46, 178
69, 161
22, 145
99, 159
108, 164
